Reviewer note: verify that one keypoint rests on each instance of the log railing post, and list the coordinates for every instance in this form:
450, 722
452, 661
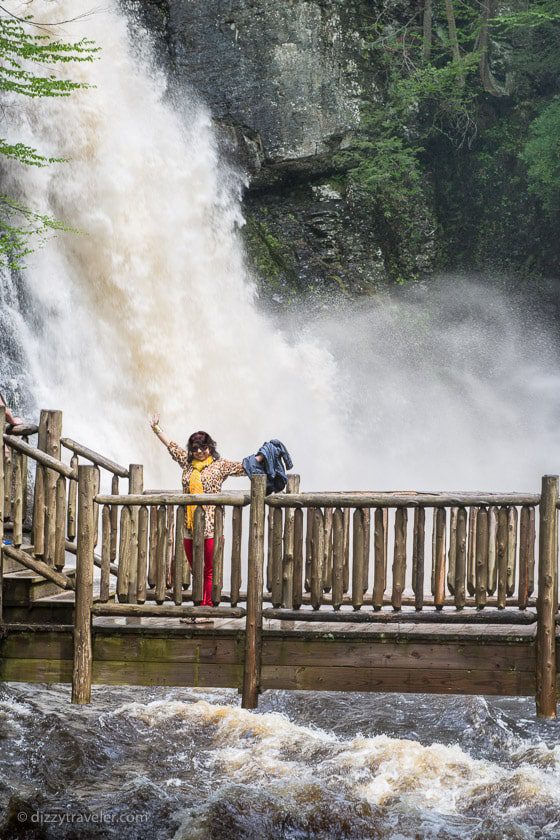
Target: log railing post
51, 422
289, 547
2, 449
83, 656
547, 599
253, 627
135, 486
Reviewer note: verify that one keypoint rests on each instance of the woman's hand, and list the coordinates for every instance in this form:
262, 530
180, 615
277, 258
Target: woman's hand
160, 434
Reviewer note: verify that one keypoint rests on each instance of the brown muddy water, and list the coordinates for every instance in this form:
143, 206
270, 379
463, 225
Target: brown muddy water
184, 763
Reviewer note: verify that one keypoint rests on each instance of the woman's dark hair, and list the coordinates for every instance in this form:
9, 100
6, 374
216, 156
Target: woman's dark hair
201, 439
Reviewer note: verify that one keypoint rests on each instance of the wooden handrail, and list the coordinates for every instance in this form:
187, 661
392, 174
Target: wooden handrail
73, 549
40, 456
39, 567
23, 430
234, 500
398, 500
95, 457
167, 611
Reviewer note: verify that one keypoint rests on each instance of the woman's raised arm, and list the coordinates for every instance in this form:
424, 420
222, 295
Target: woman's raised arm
154, 423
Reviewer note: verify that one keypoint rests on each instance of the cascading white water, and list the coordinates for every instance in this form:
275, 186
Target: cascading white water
150, 306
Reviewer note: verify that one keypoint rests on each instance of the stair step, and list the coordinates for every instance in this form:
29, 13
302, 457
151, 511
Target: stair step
23, 588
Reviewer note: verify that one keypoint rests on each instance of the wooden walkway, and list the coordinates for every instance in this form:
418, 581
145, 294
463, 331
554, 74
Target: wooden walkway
311, 591
401, 657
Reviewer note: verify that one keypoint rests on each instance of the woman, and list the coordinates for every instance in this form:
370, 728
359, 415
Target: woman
204, 471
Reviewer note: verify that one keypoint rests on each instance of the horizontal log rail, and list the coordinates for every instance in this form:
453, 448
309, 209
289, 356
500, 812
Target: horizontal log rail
166, 611
95, 458
38, 567
71, 548
22, 430
40, 456
206, 499
398, 500
514, 617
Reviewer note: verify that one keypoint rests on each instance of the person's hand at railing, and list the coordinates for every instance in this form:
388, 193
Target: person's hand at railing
11, 419
157, 430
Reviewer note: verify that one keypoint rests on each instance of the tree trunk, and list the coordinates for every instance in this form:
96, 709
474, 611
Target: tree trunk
488, 82
427, 31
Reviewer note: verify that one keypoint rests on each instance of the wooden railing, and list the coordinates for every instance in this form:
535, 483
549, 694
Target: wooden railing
388, 556
149, 547
366, 550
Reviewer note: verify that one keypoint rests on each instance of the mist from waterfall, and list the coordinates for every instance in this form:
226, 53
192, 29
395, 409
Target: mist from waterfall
151, 306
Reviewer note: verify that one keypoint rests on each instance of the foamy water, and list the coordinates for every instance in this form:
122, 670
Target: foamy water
322, 766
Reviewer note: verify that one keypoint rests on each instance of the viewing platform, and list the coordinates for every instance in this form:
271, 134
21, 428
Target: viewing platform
324, 591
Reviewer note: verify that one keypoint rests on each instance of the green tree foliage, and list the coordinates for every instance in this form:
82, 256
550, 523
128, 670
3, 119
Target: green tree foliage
467, 121
542, 156
27, 59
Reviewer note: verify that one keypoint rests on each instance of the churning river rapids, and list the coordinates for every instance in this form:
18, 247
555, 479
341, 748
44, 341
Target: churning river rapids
191, 764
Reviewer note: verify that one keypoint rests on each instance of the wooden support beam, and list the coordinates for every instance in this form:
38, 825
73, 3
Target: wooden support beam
82, 670
253, 627
547, 599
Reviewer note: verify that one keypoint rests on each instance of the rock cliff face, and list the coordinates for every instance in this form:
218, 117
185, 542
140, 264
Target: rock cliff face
286, 82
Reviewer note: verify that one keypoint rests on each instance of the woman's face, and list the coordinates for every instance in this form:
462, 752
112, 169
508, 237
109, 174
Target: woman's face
200, 451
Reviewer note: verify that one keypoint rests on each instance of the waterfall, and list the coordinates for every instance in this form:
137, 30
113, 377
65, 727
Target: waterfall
151, 306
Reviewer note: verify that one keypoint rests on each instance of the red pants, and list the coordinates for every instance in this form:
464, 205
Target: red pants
208, 567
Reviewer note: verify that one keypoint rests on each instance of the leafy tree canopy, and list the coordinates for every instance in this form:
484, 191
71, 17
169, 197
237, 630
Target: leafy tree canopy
27, 59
